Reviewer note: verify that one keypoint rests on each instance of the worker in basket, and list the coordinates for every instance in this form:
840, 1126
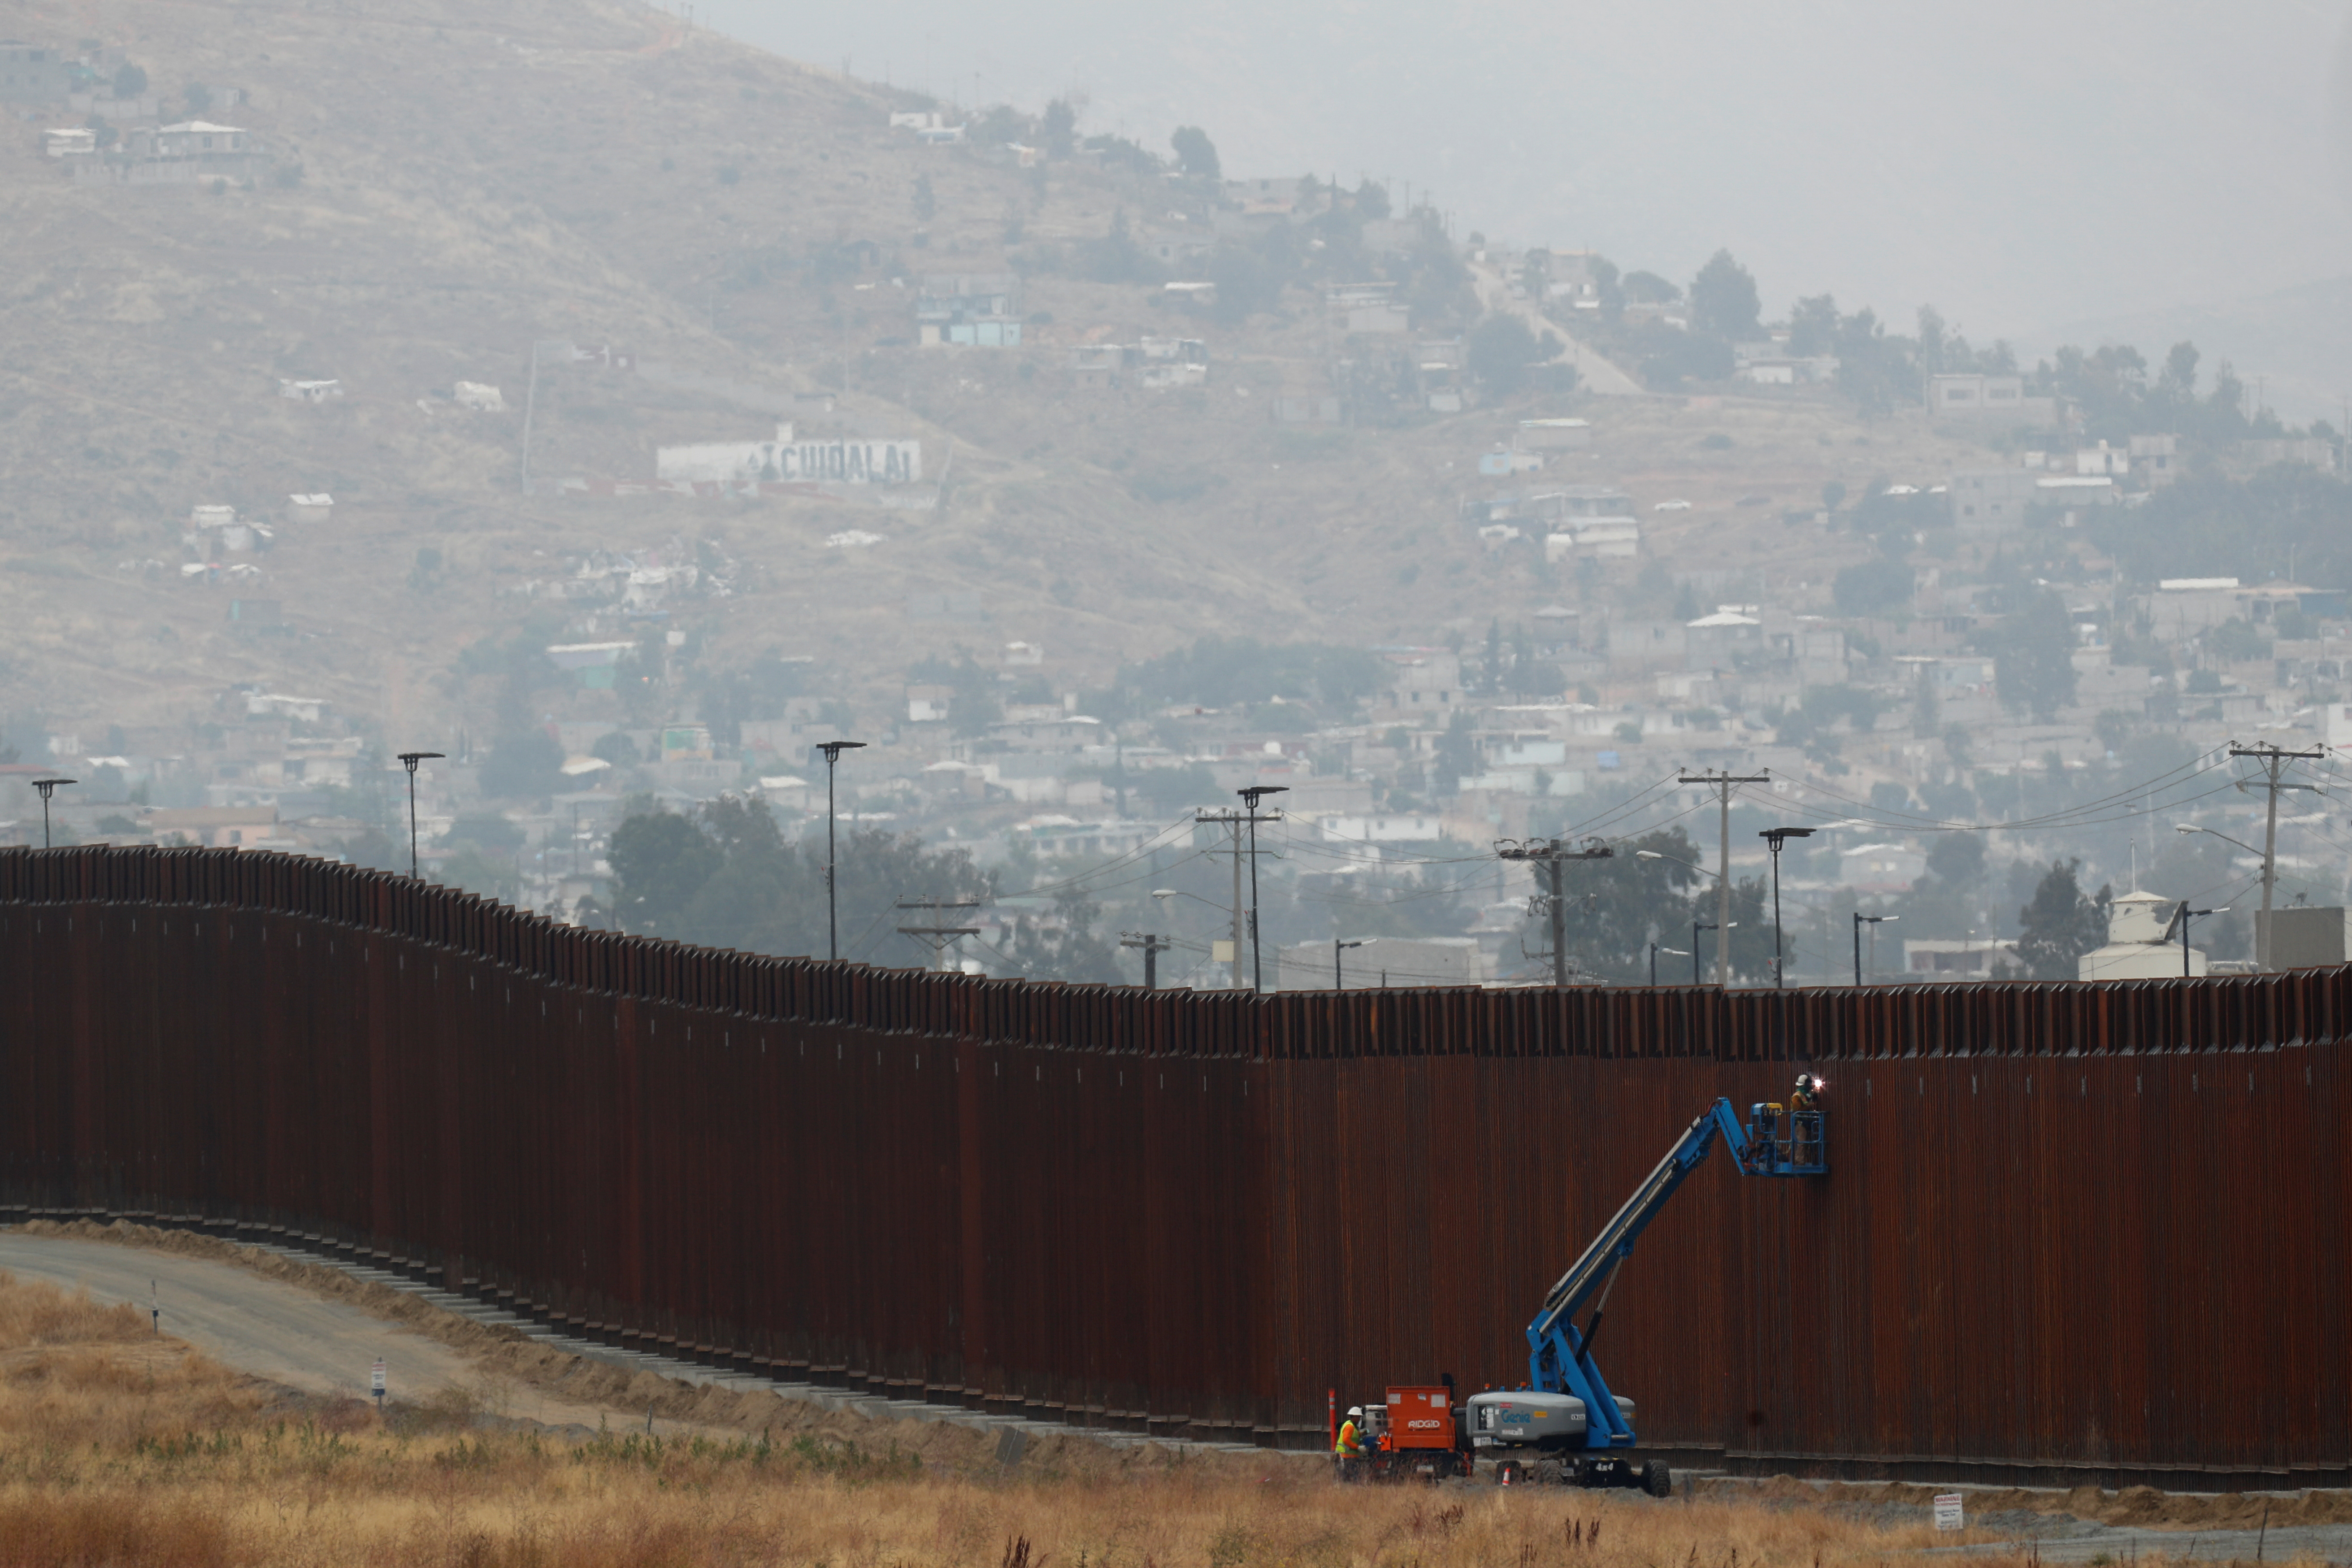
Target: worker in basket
1804, 1127
1348, 1453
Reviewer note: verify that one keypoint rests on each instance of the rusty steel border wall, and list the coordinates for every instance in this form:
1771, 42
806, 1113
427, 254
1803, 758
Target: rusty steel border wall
2071, 1233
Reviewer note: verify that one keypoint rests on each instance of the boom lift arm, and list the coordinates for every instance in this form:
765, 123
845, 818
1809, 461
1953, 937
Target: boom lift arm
1560, 1358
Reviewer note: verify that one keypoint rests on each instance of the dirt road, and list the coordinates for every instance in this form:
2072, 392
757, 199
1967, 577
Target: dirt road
271, 1330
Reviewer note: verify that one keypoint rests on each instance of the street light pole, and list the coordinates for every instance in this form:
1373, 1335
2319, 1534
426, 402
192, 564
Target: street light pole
48, 787
1339, 980
1250, 797
409, 761
1873, 922
2185, 915
833, 749
1773, 837
1697, 927
1654, 950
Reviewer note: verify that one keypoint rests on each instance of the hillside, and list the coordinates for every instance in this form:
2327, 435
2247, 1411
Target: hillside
751, 231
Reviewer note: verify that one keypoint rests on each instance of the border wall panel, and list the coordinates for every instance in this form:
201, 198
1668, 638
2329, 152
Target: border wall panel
2084, 1232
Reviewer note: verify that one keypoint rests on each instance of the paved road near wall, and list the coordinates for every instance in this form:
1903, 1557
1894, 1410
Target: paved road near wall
272, 1329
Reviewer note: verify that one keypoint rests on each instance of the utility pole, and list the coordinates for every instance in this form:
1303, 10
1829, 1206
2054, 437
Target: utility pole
1551, 852
1251, 817
1153, 945
938, 938
2274, 762
1723, 783
1232, 947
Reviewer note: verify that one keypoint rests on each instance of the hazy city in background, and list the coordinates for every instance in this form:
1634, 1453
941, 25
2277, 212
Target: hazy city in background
1502, 435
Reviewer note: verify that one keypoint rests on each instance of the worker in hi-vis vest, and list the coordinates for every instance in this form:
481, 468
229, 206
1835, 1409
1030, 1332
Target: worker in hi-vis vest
1348, 1453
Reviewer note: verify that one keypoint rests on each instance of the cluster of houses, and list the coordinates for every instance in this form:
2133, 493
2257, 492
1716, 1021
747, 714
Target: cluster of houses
123, 140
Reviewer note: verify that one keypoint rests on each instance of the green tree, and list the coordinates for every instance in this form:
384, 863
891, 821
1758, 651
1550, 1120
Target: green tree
1956, 857
1457, 752
2237, 640
2178, 380
1195, 153
1500, 350
1246, 285
1649, 289
486, 831
1723, 301
2061, 924
1059, 128
1872, 587
130, 82
1932, 341
660, 861
1667, 356
1813, 325
1873, 369
2033, 657
197, 96
926, 202
1066, 945
1612, 911
489, 876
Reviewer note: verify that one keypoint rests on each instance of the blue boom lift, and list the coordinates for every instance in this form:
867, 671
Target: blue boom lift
1565, 1425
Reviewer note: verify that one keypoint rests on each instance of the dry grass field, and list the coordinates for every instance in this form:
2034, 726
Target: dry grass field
121, 1449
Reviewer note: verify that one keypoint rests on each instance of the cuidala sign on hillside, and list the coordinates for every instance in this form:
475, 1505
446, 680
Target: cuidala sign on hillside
784, 459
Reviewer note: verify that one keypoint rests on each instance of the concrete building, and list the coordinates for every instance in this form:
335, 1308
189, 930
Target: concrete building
1712, 642
1973, 393
1389, 960
1943, 961
1420, 683
1991, 501
1555, 435
193, 151
2183, 606
215, 827
2113, 461
2157, 457
980, 309
2308, 937
2142, 942
1882, 867
34, 73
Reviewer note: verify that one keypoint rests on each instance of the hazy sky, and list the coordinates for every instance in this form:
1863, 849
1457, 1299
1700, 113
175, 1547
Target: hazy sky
2017, 163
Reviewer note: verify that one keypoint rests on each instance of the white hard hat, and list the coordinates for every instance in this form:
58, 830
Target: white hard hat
1355, 1410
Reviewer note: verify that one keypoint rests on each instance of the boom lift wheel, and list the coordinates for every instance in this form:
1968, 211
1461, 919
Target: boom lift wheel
1656, 1479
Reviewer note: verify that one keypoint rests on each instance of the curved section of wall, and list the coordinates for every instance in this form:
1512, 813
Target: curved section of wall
2085, 1232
